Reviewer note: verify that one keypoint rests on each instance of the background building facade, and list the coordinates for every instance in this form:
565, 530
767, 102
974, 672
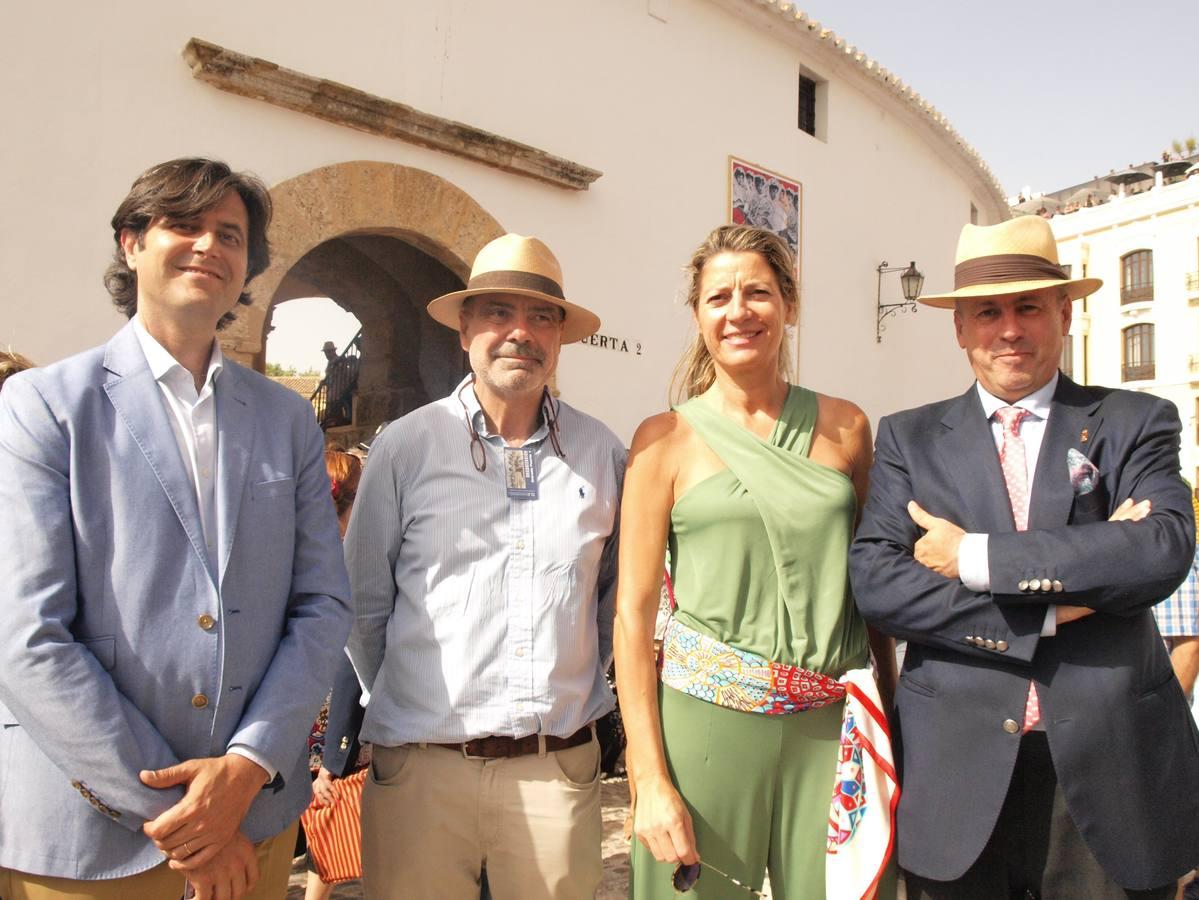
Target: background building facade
1141, 329
400, 137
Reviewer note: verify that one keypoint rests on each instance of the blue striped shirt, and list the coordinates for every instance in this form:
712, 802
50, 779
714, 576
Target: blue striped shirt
477, 614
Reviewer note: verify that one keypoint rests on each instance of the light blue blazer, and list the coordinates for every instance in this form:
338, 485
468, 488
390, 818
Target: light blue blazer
109, 662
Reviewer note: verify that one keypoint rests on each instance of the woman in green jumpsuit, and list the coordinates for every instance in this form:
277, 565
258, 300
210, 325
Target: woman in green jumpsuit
754, 484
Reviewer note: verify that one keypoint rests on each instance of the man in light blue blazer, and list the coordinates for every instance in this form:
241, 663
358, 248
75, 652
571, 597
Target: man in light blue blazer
173, 601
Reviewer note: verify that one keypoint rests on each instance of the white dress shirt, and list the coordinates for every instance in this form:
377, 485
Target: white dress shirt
479, 614
974, 568
192, 415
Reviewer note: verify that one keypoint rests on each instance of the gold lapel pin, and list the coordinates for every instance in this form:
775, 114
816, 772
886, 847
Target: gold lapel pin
1084, 436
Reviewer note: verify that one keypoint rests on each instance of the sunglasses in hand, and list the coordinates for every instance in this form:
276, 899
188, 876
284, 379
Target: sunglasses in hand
687, 874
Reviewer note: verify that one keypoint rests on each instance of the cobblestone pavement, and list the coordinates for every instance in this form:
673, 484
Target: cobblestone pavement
614, 799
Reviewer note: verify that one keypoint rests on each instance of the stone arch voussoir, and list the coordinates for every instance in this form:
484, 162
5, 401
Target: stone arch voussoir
362, 197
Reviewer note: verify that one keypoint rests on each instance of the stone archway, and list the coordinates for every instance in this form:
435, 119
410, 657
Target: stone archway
381, 240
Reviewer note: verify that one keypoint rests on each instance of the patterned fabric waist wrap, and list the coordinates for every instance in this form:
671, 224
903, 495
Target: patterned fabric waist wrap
712, 670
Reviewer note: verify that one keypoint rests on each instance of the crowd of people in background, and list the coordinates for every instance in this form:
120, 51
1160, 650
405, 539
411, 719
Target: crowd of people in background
192, 664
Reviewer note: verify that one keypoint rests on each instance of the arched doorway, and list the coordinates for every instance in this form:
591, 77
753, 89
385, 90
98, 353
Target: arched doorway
381, 240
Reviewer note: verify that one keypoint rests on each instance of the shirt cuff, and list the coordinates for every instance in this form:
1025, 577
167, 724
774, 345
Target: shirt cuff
1049, 626
974, 567
255, 757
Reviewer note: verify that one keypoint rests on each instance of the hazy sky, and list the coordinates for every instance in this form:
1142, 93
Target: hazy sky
1050, 93
300, 327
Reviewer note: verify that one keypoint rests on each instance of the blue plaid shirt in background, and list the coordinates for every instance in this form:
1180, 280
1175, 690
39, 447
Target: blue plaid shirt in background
1178, 615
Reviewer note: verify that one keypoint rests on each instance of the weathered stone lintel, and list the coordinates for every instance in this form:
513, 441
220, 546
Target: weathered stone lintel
260, 79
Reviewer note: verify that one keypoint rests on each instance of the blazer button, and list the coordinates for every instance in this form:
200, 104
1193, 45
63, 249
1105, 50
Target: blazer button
1001, 646
200, 701
206, 622
1046, 584
1011, 726
990, 644
1023, 584
345, 743
1057, 586
969, 639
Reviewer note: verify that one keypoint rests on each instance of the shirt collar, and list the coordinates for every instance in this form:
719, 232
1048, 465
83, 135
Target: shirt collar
465, 392
1038, 402
162, 363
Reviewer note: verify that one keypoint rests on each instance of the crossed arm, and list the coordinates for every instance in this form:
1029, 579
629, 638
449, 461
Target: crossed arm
904, 561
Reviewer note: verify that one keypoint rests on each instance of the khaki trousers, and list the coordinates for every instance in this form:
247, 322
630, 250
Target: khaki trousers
159, 883
432, 819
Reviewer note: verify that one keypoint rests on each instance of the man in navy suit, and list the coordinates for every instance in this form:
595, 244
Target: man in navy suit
173, 600
1017, 537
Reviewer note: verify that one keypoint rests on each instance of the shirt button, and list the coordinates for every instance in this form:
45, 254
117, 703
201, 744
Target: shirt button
206, 622
520, 651
205, 472
520, 545
1011, 726
200, 701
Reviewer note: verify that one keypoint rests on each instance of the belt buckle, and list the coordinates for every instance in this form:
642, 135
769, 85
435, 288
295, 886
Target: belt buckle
467, 755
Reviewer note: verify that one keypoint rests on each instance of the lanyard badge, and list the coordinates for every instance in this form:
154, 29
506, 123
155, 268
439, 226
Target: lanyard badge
520, 474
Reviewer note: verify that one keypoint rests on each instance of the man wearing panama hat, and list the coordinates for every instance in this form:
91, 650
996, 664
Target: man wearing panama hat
1017, 537
482, 559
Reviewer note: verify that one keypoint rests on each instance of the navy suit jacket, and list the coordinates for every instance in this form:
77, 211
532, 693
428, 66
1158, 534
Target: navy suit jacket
344, 722
1123, 744
121, 648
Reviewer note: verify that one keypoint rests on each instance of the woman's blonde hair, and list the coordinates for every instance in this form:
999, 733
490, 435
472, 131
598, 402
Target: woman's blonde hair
11, 363
696, 372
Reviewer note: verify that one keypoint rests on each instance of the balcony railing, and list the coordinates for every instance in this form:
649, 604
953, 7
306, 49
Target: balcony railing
1192, 282
1143, 372
1139, 294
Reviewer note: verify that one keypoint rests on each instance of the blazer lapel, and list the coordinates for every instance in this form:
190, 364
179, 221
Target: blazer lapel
136, 397
967, 450
1074, 413
236, 434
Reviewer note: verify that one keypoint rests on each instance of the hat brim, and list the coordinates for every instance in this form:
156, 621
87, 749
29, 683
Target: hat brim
578, 324
1075, 289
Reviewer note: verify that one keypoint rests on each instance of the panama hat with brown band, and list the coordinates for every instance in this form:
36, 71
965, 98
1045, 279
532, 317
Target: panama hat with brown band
515, 264
1014, 257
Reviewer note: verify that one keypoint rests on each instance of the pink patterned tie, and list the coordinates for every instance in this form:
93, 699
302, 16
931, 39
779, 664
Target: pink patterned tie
1015, 473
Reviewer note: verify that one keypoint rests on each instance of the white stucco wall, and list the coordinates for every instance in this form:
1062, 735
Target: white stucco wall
1166, 221
657, 106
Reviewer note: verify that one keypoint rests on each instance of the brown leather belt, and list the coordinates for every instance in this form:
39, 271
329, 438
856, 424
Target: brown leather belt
498, 747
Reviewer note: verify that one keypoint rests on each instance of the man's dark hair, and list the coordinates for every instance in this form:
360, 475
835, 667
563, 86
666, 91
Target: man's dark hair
183, 189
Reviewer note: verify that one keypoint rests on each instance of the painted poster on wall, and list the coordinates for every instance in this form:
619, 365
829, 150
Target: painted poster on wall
765, 199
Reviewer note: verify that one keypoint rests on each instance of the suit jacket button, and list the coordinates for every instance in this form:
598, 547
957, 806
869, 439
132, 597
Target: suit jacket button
1046, 584
990, 644
1001, 646
1057, 586
206, 622
1023, 584
200, 701
969, 639
1011, 726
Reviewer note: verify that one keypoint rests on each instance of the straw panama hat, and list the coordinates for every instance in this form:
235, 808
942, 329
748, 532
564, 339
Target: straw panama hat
515, 264
1014, 257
